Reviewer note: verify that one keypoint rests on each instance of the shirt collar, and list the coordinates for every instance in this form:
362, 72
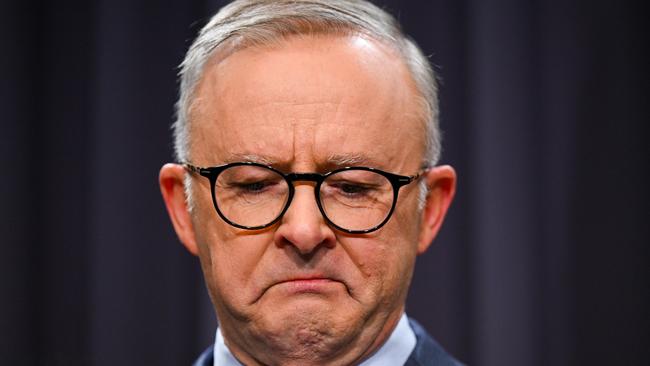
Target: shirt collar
222, 355
395, 351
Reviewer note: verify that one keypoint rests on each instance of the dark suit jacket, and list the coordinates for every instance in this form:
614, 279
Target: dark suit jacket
427, 351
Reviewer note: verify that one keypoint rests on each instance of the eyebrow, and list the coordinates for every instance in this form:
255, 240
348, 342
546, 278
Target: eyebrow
343, 160
348, 159
333, 161
252, 158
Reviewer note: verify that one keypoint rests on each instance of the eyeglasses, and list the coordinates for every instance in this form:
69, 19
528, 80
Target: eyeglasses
253, 196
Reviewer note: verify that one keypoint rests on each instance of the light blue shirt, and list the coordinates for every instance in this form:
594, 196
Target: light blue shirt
395, 351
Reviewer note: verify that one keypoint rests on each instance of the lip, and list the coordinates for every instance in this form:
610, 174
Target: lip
313, 285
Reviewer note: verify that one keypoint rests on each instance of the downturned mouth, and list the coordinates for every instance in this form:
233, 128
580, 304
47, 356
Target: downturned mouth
305, 279
308, 285
304, 284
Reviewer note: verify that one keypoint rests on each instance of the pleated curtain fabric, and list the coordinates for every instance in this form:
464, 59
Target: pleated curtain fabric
542, 260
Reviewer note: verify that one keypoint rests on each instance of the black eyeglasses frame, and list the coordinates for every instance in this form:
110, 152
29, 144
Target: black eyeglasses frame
211, 173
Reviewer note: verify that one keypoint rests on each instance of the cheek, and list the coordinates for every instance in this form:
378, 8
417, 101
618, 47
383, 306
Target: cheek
385, 263
230, 260
406, 221
399, 252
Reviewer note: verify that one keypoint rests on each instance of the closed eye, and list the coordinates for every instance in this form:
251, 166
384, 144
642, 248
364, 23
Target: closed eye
352, 189
254, 187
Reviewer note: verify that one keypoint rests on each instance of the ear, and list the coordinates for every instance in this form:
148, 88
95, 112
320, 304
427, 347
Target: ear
171, 180
441, 184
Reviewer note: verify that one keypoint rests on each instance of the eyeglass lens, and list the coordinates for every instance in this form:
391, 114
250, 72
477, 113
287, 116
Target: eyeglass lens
255, 196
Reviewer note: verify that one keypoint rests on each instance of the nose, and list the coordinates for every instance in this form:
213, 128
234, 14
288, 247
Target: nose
303, 226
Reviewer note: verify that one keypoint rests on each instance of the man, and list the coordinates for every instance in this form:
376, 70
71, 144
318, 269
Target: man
307, 139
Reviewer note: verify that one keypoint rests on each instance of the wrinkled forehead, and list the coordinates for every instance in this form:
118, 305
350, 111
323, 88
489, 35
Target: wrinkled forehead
315, 89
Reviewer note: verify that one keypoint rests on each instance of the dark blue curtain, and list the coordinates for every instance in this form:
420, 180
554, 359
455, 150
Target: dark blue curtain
542, 261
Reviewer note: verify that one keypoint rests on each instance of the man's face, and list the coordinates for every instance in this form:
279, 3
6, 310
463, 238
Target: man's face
301, 289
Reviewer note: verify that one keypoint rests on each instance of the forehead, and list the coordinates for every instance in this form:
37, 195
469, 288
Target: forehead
307, 98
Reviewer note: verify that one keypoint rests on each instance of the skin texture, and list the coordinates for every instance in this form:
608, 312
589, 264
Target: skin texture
300, 292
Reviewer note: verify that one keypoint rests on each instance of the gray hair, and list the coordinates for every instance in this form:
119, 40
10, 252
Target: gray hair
251, 22
245, 23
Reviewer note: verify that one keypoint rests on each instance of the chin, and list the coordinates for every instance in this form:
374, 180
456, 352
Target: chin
309, 331
296, 316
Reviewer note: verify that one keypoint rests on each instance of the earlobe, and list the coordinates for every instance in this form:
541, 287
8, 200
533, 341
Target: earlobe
171, 180
441, 184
